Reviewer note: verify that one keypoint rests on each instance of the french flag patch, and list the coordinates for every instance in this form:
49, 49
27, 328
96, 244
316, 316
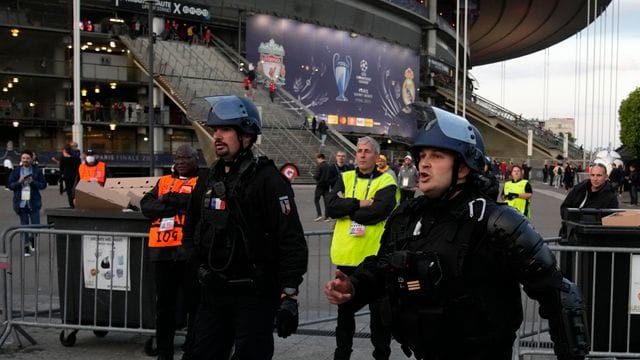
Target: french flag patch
218, 204
285, 205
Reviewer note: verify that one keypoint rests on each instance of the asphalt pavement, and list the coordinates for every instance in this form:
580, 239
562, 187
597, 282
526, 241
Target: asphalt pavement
315, 341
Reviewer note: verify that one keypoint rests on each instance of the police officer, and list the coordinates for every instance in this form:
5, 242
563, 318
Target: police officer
166, 204
249, 243
451, 262
518, 191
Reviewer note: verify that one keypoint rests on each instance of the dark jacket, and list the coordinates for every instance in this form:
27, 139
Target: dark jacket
322, 175
335, 171
472, 296
69, 168
605, 198
39, 183
259, 213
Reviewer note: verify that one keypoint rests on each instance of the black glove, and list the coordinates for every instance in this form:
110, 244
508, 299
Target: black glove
511, 196
287, 317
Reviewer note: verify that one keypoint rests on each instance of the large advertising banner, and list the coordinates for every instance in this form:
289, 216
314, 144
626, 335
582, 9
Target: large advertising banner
354, 83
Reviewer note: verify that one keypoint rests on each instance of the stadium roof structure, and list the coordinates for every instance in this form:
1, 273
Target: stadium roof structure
507, 29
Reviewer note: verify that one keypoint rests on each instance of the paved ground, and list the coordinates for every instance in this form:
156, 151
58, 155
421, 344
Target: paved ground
118, 346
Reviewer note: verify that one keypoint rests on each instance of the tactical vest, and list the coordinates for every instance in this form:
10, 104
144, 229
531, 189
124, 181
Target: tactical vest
523, 205
434, 300
167, 232
347, 248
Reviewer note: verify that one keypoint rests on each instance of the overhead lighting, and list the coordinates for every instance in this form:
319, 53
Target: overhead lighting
69, 46
113, 85
89, 43
15, 32
108, 50
83, 92
83, 47
104, 48
10, 85
15, 123
353, 35
388, 141
146, 138
116, 20
97, 48
32, 104
4, 89
112, 126
15, 80
97, 89
112, 43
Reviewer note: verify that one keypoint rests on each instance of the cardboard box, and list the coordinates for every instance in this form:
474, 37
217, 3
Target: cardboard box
134, 188
93, 196
117, 193
623, 218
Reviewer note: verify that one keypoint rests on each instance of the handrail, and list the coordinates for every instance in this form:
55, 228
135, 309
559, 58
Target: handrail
547, 138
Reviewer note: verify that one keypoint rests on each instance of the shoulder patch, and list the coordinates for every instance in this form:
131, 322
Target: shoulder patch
285, 204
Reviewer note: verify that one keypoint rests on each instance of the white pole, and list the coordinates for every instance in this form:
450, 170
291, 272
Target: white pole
76, 129
455, 101
464, 61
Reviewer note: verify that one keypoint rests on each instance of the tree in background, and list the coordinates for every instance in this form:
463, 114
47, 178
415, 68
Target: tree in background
629, 113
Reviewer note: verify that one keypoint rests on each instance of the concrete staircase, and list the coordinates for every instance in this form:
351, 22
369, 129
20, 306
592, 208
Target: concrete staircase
185, 72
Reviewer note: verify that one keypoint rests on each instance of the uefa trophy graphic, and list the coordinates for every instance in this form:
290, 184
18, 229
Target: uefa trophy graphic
342, 73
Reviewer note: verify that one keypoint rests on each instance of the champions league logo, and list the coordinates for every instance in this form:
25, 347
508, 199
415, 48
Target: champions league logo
342, 73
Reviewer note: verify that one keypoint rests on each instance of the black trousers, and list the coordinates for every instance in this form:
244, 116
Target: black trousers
380, 334
71, 190
320, 192
174, 279
224, 320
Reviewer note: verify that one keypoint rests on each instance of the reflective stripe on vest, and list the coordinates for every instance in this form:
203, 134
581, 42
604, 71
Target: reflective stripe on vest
97, 173
170, 237
351, 250
523, 205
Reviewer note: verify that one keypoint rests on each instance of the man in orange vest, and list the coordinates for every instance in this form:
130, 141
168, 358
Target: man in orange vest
93, 170
166, 204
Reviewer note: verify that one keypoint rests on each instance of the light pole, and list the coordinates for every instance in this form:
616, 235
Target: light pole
152, 165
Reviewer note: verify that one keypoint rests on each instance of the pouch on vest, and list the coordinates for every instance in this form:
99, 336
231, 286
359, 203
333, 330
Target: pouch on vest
415, 274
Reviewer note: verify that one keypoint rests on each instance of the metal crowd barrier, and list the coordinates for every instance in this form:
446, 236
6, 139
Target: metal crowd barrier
67, 284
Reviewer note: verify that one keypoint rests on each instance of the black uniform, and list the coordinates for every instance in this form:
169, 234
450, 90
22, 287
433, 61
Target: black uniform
176, 285
450, 271
249, 246
321, 176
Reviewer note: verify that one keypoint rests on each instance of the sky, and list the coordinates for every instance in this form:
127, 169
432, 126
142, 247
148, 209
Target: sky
579, 85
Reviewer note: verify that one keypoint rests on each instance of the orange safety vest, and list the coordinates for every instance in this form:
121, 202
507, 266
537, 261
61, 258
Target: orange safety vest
93, 173
167, 232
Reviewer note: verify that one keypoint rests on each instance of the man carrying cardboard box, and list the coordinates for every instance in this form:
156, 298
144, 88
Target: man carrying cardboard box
166, 204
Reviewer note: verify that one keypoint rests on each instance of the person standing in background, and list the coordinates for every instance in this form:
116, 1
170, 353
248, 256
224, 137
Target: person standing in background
26, 181
69, 171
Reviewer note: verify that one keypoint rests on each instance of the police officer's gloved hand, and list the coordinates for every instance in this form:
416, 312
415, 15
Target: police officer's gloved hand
512, 196
287, 317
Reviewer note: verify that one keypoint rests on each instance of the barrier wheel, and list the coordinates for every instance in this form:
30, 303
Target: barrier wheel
100, 333
150, 347
70, 340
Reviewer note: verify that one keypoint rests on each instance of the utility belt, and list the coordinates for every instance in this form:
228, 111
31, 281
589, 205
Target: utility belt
223, 284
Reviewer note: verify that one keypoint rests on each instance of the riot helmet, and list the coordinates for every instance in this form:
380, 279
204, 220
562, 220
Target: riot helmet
229, 110
454, 133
